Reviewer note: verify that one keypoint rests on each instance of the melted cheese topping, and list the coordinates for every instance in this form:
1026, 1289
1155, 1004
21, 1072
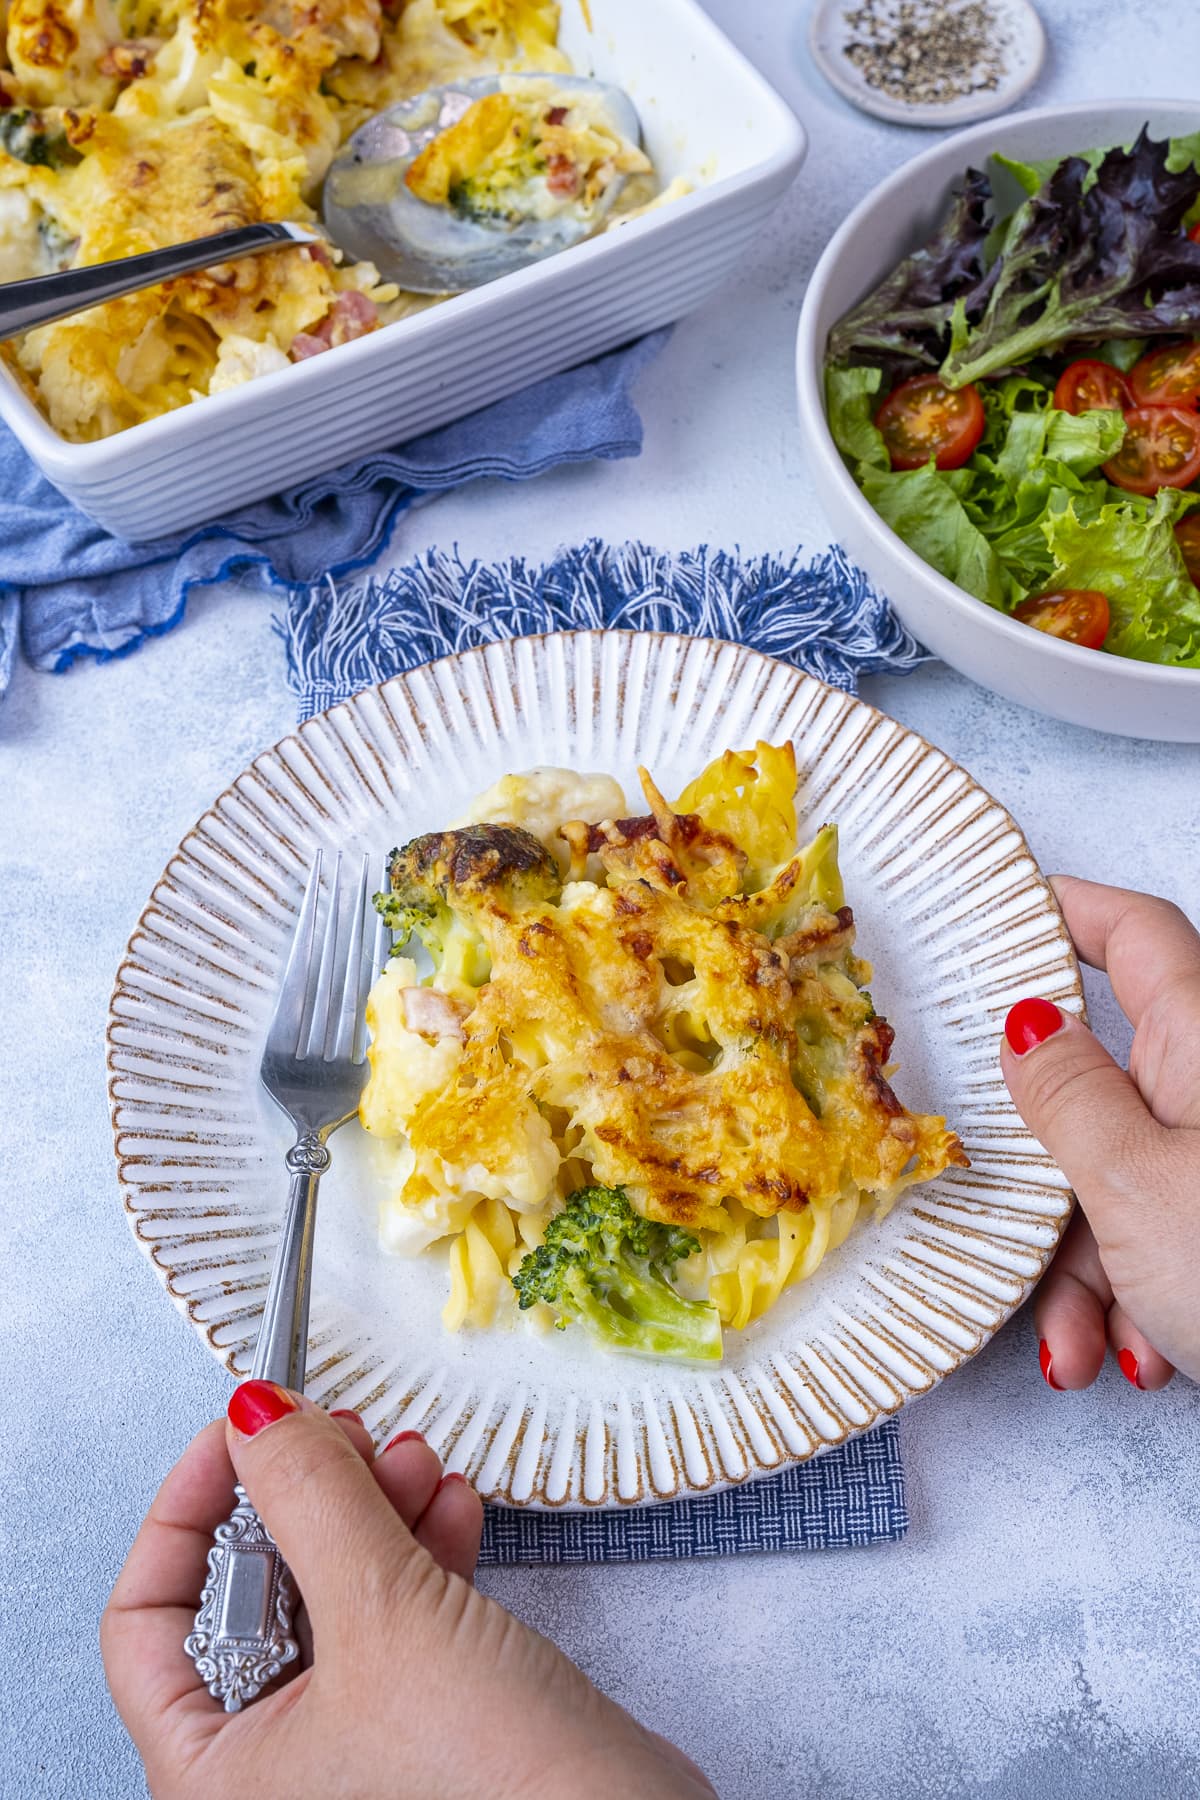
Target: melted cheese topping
685, 1020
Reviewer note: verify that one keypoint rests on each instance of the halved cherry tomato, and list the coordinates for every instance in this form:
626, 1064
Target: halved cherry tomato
1169, 377
921, 418
1194, 233
1078, 614
1085, 385
1161, 449
1187, 536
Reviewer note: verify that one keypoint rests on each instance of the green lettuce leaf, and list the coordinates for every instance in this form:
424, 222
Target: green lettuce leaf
923, 507
1128, 551
1032, 512
1122, 353
851, 401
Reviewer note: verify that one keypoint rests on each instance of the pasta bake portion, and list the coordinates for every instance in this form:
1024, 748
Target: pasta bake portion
634, 1076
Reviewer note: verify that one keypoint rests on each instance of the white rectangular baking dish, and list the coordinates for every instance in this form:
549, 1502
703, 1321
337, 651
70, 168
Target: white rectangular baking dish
707, 115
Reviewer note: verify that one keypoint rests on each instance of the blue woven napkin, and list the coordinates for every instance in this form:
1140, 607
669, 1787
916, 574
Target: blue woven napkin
822, 615
847, 1497
69, 589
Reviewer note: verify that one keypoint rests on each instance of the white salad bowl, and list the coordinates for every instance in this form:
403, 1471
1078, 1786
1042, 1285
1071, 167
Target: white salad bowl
707, 116
1084, 687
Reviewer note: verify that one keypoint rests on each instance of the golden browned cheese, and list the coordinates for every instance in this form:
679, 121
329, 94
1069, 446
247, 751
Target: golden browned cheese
56, 49
141, 185
145, 185
676, 1048
340, 27
459, 152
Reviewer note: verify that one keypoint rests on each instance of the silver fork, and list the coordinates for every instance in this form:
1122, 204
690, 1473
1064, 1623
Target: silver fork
313, 1068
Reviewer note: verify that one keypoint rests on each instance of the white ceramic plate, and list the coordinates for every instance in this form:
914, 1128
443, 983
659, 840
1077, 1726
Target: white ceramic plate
1019, 36
951, 910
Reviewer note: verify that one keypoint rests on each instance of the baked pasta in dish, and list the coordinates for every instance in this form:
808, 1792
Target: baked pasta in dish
128, 125
642, 1084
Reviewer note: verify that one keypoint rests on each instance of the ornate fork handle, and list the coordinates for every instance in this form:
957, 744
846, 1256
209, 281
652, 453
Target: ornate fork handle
243, 1635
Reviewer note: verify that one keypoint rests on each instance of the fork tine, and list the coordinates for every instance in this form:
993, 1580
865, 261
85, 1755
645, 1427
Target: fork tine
284, 1036
319, 1024
350, 1008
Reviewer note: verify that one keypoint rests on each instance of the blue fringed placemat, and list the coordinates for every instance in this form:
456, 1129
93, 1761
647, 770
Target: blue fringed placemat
820, 614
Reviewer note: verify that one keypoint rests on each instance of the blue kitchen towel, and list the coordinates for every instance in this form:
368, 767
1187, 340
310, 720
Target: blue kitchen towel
822, 615
80, 592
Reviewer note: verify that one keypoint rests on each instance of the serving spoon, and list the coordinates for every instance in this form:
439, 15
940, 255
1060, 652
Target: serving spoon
371, 212
368, 211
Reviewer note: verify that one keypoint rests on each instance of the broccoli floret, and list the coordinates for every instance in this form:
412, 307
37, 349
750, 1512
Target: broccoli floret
438, 884
27, 136
474, 864
606, 1267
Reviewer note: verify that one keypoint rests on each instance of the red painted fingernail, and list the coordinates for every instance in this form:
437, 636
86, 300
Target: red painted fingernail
1030, 1023
454, 1475
404, 1437
345, 1412
1127, 1362
1046, 1361
257, 1404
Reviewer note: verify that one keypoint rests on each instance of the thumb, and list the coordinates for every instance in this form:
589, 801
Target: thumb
336, 1529
1084, 1109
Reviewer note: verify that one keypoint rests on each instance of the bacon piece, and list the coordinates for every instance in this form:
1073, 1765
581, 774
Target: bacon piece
130, 60
352, 316
563, 177
556, 115
432, 1015
306, 344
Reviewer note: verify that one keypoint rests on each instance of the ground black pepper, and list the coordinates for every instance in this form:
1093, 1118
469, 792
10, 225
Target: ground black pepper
927, 52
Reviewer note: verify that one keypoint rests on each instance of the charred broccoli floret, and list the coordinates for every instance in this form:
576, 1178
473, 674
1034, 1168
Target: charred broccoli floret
30, 138
607, 1268
439, 882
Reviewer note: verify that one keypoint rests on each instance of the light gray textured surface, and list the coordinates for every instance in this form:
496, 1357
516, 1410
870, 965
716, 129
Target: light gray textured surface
1036, 1633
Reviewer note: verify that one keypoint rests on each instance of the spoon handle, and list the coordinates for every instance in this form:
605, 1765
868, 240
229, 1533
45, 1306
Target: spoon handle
24, 304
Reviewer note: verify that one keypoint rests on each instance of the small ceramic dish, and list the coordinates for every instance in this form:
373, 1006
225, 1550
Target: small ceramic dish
1016, 51
951, 910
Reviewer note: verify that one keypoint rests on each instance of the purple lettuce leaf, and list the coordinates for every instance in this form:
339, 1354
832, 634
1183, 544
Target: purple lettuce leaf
904, 326
1098, 252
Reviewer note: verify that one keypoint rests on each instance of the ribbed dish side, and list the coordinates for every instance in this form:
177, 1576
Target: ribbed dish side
397, 401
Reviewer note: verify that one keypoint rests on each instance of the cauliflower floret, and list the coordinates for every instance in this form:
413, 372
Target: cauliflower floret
540, 800
407, 1227
22, 248
524, 1176
240, 359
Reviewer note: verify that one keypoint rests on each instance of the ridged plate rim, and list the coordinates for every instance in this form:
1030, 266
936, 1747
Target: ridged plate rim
969, 1257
